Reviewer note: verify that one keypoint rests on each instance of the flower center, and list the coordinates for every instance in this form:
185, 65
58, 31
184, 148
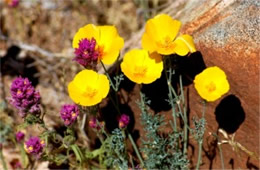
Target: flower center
19, 92
140, 71
100, 50
73, 114
30, 149
42, 142
211, 87
166, 43
121, 124
90, 93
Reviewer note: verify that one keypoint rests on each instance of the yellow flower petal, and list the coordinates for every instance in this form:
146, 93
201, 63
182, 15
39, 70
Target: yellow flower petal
165, 26
111, 43
89, 31
140, 67
88, 88
159, 34
148, 43
108, 41
184, 45
211, 84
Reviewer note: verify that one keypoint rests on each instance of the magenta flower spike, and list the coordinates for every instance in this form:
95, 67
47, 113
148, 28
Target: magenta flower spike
24, 97
86, 53
124, 121
34, 146
69, 114
19, 136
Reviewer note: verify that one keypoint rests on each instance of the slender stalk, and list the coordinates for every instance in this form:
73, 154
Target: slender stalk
114, 103
3, 159
100, 138
106, 72
168, 79
136, 150
82, 127
185, 119
83, 121
201, 140
199, 155
114, 88
221, 156
23, 155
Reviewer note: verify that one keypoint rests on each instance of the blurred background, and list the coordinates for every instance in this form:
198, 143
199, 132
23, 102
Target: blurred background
36, 37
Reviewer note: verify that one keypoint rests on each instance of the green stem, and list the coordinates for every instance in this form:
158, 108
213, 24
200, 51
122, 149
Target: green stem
199, 155
114, 103
221, 157
114, 88
185, 118
25, 160
3, 159
106, 72
168, 79
136, 150
201, 140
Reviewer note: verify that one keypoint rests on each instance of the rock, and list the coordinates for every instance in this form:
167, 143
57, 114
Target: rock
226, 32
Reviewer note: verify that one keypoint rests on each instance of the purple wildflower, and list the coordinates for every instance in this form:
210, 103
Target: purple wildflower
69, 113
16, 164
124, 121
19, 136
87, 53
14, 3
34, 146
95, 124
24, 97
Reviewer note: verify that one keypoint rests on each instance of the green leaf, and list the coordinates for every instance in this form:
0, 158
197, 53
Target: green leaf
78, 153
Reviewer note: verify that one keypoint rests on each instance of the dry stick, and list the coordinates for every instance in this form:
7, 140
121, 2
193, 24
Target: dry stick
3, 159
33, 48
82, 127
221, 156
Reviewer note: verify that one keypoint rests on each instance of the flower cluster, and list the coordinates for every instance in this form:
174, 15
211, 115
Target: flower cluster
124, 121
93, 44
69, 113
211, 84
19, 136
24, 97
86, 53
34, 146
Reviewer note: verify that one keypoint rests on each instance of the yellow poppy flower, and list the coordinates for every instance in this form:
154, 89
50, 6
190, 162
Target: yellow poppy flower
160, 33
140, 67
103, 42
211, 84
88, 88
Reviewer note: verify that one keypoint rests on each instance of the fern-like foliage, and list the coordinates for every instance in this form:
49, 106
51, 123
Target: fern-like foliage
160, 152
